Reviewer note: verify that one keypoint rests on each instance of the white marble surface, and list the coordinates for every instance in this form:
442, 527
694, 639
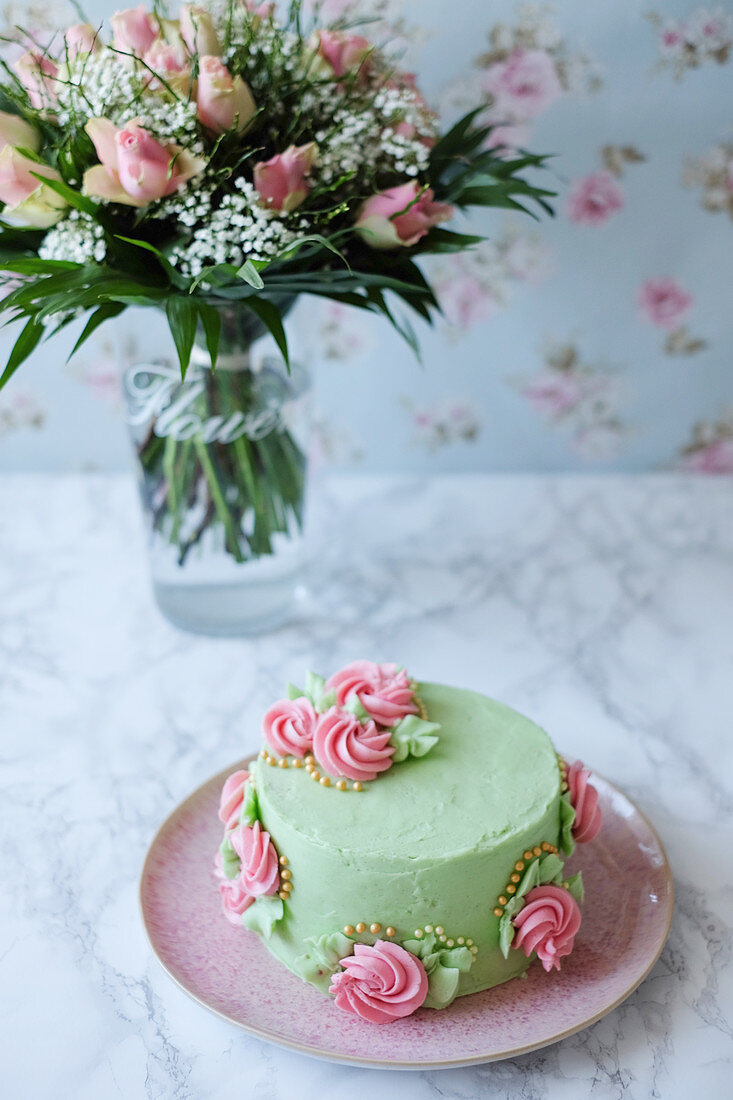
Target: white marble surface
601, 607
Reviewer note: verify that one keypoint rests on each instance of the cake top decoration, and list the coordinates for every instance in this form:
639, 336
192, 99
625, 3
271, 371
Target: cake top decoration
356, 725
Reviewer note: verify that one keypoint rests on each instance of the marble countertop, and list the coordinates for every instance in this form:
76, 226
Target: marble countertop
601, 607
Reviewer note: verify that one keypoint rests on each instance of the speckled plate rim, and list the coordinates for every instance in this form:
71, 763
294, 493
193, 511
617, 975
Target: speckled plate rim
376, 1063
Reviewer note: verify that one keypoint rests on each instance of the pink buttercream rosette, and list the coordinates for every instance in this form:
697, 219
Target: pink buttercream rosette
234, 898
383, 691
380, 983
232, 796
547, 924
289, 725
343, 746
259, 872
584, 800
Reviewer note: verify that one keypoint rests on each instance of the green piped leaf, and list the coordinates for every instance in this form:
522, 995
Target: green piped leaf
324, 956
506, 933
530, 878
442, 986
550, 868
456, 958
250, 808
567, 819
575, 887
357, 708
263, 915
230, 862
413, 736
421, 948
295, 692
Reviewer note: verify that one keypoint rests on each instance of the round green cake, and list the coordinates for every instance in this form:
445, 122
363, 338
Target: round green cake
438, 853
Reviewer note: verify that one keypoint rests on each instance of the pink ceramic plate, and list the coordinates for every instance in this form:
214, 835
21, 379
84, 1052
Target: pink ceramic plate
626, 918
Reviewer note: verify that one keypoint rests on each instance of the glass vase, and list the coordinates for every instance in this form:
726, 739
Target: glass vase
221, 460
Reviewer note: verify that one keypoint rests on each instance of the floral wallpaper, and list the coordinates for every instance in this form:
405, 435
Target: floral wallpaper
599, 339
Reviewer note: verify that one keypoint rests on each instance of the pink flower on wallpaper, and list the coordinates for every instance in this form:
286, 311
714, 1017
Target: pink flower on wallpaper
466, 301
553, 393
664, 302
712, 458
507, 139
523, 86
594, 199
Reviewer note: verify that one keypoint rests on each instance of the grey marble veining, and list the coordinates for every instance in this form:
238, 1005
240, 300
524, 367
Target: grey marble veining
601, 607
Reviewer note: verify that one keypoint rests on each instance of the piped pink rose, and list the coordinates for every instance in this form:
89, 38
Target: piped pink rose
135, 168
134, 30
234, 898
37, 73
380, 983
281, 182
259, 872
584, 800
232, 797
400, 216
547, 924
383, 690
223, 102
345, 747
289, 726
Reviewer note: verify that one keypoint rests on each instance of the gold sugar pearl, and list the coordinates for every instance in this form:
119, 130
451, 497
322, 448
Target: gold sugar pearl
325, 781
271, 761
460, 940
528, 855
502, 900
287, 887
442, 938
511, 889
310, 758
469, 943
341, 785
309, 767
389, 931
515, 878
519, 865
283, 763
374, 928
283, 894
348, 930
428, 928
286, 874
315, 775
297, 763
439, 930
450, 943
474, 950
537, 850
545, 846
419, 933
357, 786
498, 911
284, 861
263, 753
361, 927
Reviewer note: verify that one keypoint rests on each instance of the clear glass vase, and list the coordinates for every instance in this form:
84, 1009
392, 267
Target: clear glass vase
221, 461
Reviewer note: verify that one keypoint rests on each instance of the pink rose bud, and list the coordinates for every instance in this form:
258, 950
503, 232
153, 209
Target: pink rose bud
223, 102
344, 53
198, 32
135, 168
134, 30
17, 132
281, 181
263, 11
400, 216
37, 73
27, 198
81, 39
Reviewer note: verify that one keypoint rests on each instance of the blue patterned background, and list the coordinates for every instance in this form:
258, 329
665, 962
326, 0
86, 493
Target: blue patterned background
598, 340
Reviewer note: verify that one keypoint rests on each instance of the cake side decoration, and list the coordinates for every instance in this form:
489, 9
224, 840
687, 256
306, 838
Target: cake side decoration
580, 814
253, 879
354, 726
380, 983
547, 924
542, 867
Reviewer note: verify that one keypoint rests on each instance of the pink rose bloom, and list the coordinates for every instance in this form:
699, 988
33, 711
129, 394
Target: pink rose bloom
344, 53
281, 181
259, 873
135, 168
343, 746
81, 38
664, 302
594, 199
380, 983
553, 393
234, 898
584, 800
400, 216
171, 63
15, 131
523, 86
714, 458
133, 30
383, 691
37, 74
232, 796
198, 31
547, 924
263, 11
289, 726
222, 101
26, 198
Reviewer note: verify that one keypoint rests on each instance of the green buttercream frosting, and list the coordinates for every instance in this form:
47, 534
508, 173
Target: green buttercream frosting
323, 956
263, 915
413, 736
567, 819
431, 841
230, 862
250, 811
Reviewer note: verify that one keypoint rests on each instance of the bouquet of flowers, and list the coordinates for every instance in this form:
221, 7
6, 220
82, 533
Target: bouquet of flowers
217, 166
